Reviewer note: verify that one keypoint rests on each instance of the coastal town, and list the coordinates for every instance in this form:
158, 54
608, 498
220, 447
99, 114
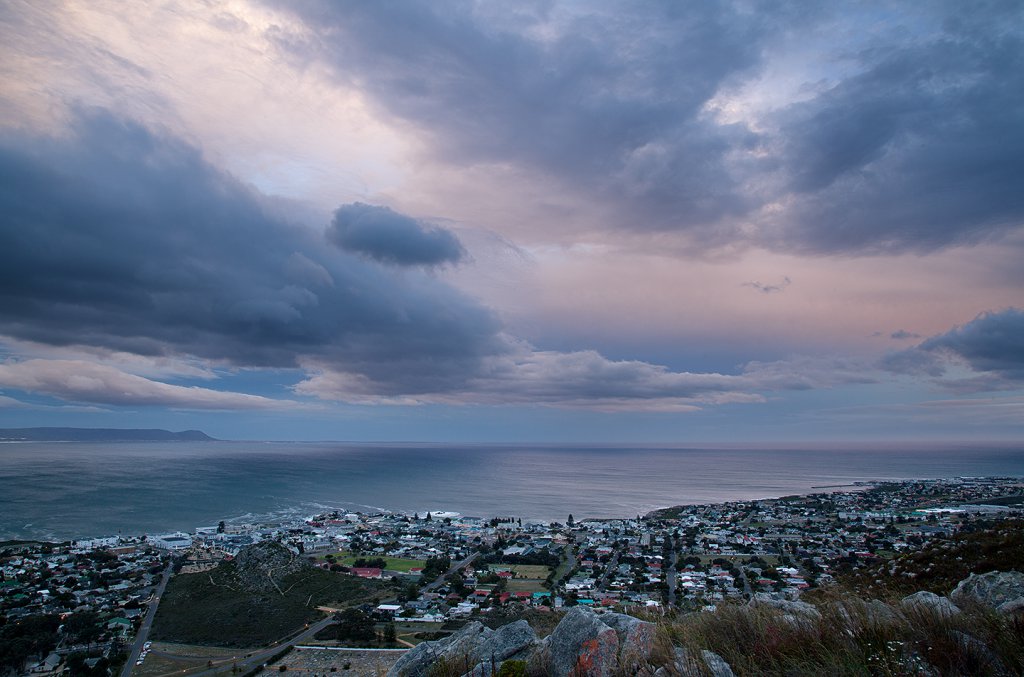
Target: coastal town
81, 607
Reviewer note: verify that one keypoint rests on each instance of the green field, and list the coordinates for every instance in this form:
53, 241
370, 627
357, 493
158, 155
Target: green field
525, 570
346, 559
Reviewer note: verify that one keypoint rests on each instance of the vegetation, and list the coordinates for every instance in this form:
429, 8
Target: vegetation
939, 566
32, 638
854, 638
216, 608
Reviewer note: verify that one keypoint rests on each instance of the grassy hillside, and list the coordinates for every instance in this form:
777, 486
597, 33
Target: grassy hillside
217, 608
939, 566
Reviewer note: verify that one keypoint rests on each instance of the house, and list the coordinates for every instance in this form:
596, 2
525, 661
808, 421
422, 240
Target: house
367, 572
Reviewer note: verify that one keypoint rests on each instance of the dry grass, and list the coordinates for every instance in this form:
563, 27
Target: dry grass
855, 638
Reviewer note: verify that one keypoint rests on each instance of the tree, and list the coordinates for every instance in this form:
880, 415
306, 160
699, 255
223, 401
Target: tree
390, 636
571, 522
220, 527
355, 624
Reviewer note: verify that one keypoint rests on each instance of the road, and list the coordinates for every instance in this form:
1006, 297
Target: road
452, 569
670, 577
147, 623
609, 569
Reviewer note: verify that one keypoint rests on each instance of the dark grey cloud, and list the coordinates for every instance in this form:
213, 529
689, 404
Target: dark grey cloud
922, 148
991, 346
903, 334
992, 342
609, 100
386, 236
117, 237
915, 144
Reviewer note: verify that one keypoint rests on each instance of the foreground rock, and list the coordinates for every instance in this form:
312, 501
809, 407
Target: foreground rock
584, 644
795, 613
475, 649
929, 602
1000, 590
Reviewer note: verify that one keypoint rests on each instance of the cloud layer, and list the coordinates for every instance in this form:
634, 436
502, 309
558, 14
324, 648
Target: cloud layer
120, 238
904, 144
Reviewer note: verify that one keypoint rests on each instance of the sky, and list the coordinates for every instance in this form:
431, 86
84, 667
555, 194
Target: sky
545, 221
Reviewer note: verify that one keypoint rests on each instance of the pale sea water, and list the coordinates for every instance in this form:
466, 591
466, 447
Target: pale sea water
72, 490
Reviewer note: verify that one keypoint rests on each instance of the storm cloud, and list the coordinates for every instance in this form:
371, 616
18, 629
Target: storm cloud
921, 148
990, 347
124, 240
992, 342
906, 144
118, 237
386, 236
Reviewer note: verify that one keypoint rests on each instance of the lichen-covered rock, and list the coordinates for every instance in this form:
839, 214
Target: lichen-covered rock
636, 637
993, 589
929, 602
716, 664
685, 663
461, 648
515, 640
581, 645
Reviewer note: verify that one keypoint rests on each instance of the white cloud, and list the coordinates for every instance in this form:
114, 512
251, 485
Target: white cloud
81, 381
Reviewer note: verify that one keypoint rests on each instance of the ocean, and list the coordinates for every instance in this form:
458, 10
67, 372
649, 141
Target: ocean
74, 490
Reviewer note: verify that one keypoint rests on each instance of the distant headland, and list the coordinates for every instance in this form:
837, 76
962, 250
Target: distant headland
101, 435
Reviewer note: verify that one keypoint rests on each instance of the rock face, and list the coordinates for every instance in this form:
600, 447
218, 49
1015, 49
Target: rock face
583, 644
999, 590
477, 650
260, 567
929, 602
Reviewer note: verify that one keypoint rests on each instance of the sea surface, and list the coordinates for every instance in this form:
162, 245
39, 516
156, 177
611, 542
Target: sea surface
77, 489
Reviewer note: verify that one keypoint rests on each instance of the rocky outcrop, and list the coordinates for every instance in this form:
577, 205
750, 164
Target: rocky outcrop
261, 567
716, 664
584, 644
475, 648
928, 602
795, 613
1000, 590
862, 614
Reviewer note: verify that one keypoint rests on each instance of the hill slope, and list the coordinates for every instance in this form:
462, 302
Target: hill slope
265, 594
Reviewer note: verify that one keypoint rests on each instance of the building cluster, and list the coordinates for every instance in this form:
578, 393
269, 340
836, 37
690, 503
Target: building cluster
447, 566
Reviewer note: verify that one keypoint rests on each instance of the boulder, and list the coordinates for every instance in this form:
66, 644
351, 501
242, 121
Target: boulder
793, 612
512, 641
929, 602
685, 664
716, 664
861, 614
462, 648
581, 645
993, 589
1015, 607
636, 637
